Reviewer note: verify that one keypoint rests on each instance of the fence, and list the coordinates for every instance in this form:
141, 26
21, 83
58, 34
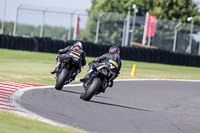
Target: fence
93, 50
103, 28
57, 23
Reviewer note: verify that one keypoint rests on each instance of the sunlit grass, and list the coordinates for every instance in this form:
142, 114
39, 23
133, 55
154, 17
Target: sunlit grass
35, 67
13, 123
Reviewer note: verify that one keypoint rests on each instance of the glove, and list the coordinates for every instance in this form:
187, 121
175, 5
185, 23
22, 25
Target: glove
91, 62
96, 59
60, 51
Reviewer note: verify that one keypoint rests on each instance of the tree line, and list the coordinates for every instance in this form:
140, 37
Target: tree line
112, 22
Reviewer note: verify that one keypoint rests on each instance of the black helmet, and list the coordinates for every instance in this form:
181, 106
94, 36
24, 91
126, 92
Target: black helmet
114, 49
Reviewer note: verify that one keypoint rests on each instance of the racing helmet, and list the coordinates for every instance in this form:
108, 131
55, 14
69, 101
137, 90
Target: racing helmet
78, 44
114, 49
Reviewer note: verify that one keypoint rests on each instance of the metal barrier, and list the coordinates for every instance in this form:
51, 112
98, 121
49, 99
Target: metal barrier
93, 50
103, 28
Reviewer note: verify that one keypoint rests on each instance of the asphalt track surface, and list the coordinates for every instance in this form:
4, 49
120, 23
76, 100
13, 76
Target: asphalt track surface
146, 106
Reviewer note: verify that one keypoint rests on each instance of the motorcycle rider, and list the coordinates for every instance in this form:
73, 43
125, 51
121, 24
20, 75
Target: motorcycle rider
76, 53
113, 57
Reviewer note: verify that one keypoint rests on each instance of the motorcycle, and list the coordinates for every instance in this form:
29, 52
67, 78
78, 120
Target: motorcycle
65, 73
98, 81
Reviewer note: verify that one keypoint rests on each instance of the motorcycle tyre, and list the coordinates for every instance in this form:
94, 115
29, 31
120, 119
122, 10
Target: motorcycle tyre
89, 93
61, 79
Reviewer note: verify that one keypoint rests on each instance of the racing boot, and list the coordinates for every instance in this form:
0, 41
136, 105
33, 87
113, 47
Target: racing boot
56, 69
75, 74
87, 76
110, 83
70, 80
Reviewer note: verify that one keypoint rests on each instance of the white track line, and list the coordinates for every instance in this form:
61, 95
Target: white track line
182, 80
7, 99
13, 83
5, 103
15, 96
7, 86
6, 90
3, 96
7, 108
26, 113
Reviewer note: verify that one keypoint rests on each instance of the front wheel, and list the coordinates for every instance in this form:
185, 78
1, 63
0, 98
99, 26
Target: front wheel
61, 79
89, 93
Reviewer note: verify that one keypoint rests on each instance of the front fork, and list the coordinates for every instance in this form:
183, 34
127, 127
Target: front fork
87, 84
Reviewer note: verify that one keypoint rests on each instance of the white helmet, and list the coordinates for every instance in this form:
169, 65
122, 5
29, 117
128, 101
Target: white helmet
78, 44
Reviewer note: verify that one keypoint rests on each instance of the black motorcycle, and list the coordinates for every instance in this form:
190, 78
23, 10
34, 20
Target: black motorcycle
65, 73
98, 81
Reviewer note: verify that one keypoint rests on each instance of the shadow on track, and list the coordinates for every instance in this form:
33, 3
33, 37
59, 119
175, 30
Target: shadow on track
74, 92
121, 106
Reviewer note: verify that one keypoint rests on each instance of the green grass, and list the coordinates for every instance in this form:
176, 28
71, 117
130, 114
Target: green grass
34, 67
160, 71
13, 123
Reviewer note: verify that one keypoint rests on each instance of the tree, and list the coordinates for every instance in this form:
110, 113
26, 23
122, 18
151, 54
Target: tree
111, 28
174, 10
164, 10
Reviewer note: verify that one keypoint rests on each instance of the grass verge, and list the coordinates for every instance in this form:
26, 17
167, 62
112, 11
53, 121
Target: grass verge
13, 123
34, 67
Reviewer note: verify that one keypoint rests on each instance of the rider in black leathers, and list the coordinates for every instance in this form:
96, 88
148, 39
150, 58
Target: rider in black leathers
76, 53
113, 57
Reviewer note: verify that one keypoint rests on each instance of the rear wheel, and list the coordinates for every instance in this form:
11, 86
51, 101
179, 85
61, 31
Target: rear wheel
89, 93
61, 79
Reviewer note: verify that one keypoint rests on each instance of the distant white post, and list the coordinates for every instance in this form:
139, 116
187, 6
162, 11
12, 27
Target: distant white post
3, 20
15, 25
191, 31
175, 36
69, 33
133, 22
75, 26
42, 26
199, 49
127, 29
97, 30
145, 29
124, 32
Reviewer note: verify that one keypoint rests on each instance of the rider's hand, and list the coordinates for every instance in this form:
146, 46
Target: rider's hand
90, 62
96, 59
60, 51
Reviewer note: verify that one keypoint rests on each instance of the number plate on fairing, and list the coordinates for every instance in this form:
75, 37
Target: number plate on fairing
104, 71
